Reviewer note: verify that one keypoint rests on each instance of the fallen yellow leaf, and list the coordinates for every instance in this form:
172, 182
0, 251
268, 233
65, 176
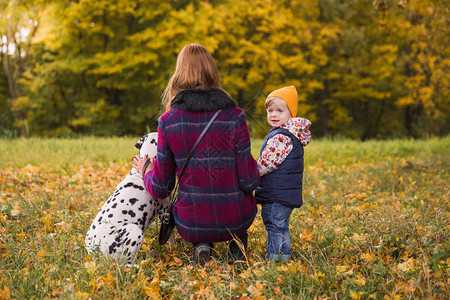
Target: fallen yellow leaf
90, 267
367, 257
21, 235
82, 295
407, 266
343, 269
4, 293
360, 280
277, 291
354, 295
256, 289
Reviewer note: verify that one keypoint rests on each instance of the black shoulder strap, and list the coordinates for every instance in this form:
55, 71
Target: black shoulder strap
195, 147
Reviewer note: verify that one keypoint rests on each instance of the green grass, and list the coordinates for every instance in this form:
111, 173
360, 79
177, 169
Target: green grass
374, 224
53, 153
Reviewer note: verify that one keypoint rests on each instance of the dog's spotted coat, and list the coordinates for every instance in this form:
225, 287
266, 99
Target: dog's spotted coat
118, 229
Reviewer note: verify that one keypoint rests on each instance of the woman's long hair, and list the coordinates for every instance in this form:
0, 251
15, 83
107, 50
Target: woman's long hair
195, 69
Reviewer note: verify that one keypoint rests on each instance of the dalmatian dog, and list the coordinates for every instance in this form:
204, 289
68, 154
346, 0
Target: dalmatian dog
118, 229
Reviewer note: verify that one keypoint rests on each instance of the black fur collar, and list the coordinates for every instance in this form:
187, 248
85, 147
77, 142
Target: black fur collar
202, 100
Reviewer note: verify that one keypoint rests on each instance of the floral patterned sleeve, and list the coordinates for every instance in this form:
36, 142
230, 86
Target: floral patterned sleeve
275, 152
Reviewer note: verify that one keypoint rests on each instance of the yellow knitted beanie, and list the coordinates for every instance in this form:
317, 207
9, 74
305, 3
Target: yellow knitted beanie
289, 95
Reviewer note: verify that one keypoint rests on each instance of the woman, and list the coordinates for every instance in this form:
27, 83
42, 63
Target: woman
215, 201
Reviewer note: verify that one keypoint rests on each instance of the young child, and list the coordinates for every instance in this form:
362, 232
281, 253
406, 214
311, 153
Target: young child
280, 165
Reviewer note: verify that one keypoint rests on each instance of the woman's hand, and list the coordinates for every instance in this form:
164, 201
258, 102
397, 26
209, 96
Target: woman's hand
139, 164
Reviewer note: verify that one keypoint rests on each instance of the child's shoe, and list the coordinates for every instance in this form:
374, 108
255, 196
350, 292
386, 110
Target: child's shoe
235, 251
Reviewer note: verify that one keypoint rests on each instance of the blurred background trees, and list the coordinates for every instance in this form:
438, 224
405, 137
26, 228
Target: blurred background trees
363, 69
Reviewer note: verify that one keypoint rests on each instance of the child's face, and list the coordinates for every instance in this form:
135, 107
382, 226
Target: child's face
278, 113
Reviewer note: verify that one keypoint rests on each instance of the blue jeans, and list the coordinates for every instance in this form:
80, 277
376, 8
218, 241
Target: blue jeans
276, 219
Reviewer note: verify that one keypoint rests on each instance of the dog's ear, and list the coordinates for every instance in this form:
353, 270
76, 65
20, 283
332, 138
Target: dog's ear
149, 147
141, 141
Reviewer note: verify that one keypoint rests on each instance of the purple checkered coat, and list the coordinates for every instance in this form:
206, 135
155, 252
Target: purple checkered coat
215, 193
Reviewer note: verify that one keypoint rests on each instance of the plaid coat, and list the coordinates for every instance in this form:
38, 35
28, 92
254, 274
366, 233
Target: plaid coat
215, 197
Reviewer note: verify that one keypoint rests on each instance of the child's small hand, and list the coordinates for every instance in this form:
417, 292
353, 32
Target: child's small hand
144, 164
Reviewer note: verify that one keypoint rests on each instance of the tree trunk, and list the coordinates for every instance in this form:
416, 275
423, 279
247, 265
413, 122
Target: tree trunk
323, 109
412, 114
379, 117
9, 37
30, 37
408, 120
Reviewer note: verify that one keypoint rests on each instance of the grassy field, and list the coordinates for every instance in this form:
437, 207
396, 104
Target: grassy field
375, 225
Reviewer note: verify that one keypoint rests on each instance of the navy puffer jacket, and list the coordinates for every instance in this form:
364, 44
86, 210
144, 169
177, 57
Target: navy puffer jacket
283, 185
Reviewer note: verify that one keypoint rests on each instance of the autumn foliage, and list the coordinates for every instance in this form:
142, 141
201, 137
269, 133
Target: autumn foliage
364, 69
